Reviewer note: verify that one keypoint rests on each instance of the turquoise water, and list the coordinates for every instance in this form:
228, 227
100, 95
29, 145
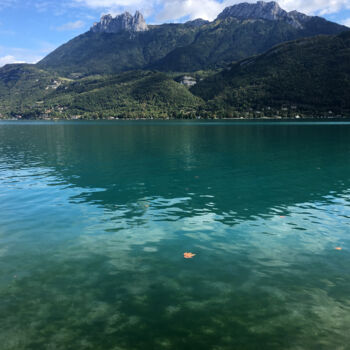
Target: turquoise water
95, 219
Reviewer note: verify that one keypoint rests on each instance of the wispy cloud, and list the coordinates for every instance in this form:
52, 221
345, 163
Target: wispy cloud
8, 59
321, 7
112, 3
57, 8
346, 22
20, 55
207, 9
170, 10
7, 3
176, 9
71, 26
180, 8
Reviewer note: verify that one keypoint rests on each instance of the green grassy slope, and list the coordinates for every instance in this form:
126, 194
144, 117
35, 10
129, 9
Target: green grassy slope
132, 94
23, 86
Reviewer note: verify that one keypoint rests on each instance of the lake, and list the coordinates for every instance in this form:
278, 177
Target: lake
95, 218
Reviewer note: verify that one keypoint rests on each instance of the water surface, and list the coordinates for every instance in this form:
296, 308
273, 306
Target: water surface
95, 218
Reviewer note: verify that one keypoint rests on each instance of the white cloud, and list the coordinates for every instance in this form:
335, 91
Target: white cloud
162, 10
175, 9
310, 7
8, 59
321, 7
57, 8
346, 22
111, 3
71, 26
6, 3
168, 10
20, 55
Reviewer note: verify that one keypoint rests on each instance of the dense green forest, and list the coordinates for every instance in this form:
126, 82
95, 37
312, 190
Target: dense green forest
33, 93
310, 76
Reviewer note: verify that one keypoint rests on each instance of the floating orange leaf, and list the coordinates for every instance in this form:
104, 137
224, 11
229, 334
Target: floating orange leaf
338, 248
189, 255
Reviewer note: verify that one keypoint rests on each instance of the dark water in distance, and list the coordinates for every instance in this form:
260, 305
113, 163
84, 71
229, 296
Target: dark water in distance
95, 218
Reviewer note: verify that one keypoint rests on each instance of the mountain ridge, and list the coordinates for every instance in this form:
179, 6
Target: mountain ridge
126, 42
264, 10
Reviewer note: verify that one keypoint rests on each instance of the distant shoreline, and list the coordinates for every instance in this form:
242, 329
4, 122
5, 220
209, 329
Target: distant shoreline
306, 119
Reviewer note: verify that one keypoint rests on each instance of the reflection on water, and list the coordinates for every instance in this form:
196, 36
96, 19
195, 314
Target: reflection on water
95, 218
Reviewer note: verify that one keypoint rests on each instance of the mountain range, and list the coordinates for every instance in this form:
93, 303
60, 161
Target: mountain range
126, 42
252, 60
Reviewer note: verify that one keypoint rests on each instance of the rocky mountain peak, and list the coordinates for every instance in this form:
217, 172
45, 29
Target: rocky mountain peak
264, 10
120, 23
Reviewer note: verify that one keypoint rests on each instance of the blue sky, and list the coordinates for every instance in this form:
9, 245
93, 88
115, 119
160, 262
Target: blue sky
30, 29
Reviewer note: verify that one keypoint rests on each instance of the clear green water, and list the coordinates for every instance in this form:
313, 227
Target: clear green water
95, 218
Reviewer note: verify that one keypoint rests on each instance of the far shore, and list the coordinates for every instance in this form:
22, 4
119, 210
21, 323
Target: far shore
300, 119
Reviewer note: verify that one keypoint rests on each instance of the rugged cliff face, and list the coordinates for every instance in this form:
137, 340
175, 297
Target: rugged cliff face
264, 10
123, 22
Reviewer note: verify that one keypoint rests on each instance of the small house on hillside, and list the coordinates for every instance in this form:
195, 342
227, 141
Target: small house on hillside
188, 81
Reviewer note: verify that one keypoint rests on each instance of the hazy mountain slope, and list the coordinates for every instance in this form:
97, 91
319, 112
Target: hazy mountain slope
311, 74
